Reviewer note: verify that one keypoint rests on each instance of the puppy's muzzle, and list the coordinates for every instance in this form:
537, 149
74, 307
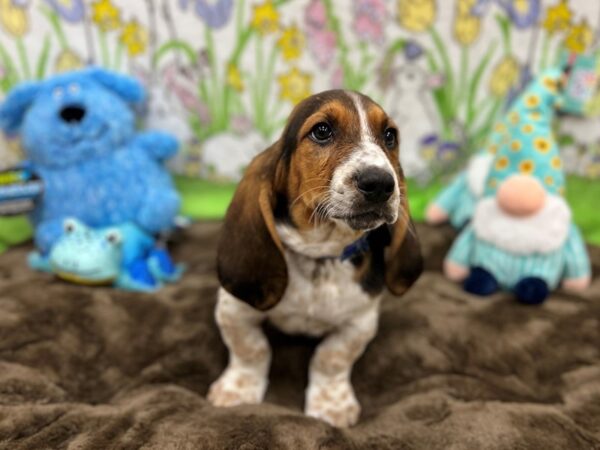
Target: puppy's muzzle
376, 185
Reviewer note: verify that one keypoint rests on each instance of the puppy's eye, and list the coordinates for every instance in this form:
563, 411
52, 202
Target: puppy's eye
321, 133
390, 138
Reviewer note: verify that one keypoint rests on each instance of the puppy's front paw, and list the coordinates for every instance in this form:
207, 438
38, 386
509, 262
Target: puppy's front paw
237, 387
334, 402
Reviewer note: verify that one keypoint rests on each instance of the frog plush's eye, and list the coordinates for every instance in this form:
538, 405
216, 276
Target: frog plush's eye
69, 226
113, 237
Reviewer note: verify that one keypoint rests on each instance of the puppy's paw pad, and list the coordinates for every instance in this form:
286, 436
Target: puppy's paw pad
236, 389
335, 405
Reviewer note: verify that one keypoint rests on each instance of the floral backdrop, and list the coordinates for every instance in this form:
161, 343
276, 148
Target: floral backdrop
224, 75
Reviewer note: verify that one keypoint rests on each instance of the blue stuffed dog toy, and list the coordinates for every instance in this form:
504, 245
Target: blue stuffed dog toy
78, 132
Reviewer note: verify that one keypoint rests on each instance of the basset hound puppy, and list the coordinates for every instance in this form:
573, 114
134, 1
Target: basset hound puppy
318, 227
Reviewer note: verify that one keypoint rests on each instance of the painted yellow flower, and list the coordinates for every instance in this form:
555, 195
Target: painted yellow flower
67, 60
466, 28
504, 76
265, 19
106, 15
579, 37
558, 17
493, 149
234, 77
134, 37
416, 15
502, 163
514, 117
493, 183
535, 116
13, 18
516, 146
532, 101
465, 7
527, 128
294, 85
542, 145
550, 84
556, 163
526, 166
291, 43
549, 180
500, 128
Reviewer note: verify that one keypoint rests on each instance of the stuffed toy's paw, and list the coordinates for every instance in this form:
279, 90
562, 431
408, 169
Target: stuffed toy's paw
162, 267
531, 291
577, 284
454, 271
481, 282
435, 215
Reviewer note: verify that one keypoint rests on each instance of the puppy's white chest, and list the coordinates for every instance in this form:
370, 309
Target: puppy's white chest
321, 295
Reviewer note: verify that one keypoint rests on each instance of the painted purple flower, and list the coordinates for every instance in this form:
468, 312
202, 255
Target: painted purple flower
412, 50
448, 151
214, 13
369, 17
72, 10
523, 13
315, 14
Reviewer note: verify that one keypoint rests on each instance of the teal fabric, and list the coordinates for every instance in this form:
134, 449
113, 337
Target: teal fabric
570, 261
458, 201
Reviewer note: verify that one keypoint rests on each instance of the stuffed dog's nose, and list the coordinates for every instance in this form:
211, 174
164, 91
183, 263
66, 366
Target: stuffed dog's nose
72, 113
375, 184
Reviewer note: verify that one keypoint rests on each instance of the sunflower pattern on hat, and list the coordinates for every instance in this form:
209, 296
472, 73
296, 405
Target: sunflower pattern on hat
530, 146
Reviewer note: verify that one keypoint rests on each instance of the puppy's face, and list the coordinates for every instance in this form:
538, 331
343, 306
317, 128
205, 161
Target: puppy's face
342, 150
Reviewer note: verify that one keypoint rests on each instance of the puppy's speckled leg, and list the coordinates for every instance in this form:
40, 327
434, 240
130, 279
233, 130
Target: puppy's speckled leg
330, 396
245, 378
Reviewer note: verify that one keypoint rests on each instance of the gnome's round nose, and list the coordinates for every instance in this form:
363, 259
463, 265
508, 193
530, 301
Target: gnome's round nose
521, 195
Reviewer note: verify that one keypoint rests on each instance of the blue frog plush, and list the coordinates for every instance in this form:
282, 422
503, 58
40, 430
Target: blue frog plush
124, 256
78, 132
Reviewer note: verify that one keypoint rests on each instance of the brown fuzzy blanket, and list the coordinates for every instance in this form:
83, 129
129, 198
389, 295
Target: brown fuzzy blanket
95, 368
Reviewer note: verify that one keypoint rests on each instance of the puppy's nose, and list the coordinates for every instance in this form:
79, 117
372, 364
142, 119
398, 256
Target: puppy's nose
377, 185
72, 113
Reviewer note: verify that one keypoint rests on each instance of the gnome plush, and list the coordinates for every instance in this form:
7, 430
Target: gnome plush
456, 203
521, 237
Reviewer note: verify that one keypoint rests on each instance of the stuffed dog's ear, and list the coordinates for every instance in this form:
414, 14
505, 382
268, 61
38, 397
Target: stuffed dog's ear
250, 261
128, 88
403, 258
16, 104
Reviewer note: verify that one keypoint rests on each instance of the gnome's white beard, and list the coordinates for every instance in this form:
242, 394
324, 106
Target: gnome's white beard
542, 232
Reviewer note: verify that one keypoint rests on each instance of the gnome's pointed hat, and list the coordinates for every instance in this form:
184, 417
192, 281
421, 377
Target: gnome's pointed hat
528, 145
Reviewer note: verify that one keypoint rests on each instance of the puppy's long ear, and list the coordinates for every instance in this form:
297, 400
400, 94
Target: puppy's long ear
250, 260
403, 258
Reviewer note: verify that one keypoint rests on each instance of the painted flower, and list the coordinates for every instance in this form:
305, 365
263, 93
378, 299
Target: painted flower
234, 77
416, 15
70, 10
369, 19
504, 76
294, 85
337, 78
412, 50
323, 46
215, 14
265, 19
106, 15
67, 60
448, 151
579, 37
315, 14
291, 43
466, 28
558, 17
134, 37
523, 13
13, 18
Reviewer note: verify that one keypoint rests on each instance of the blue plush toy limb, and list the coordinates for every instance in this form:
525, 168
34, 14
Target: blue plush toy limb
159, 145
15, 105
577, 260
158, 210
162, 267
47, 233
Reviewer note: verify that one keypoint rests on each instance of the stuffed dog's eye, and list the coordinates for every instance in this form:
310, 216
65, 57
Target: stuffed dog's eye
58, 93
389, 137
73, 88
321, 133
